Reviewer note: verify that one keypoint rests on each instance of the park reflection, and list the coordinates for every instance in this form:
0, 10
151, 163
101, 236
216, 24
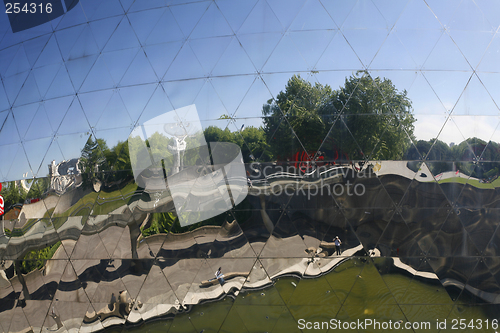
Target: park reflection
116, 255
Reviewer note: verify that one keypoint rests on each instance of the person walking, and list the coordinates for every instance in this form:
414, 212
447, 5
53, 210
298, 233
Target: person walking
337, 242
219, 276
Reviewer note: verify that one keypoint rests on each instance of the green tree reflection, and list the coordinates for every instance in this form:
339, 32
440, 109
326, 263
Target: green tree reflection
366, 118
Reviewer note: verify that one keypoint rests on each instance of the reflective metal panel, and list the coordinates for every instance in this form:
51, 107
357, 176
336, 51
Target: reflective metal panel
256, 166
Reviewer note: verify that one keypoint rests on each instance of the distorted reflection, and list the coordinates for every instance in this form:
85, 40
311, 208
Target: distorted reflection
114, 262
202, 165
204, 180
65, 175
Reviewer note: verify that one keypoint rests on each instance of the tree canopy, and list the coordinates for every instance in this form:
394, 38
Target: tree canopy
365, 119
251, 140
293, 121
473, 157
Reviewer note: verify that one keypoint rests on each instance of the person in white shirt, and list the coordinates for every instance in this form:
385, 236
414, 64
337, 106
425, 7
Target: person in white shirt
219, 276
